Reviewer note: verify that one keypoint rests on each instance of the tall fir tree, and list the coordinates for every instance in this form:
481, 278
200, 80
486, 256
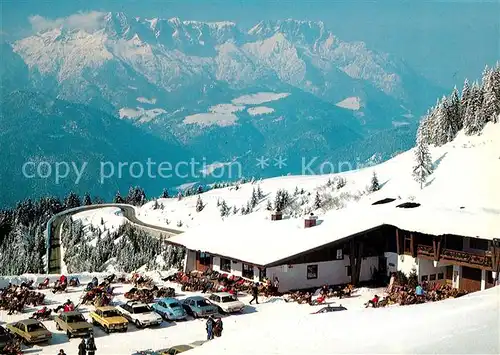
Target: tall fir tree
375, 186
464, 100
254, 200
491, 104
118, 198
317, 201
72, 201
423, 166
474, 120
87, 201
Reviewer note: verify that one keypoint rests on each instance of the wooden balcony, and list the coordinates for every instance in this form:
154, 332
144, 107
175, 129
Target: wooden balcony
467, 259
457, 257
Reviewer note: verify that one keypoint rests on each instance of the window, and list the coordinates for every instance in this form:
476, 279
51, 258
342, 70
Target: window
349, 271
225, 264
440, 276
312, 272
424, 278
340, 254
205, 259
432, 277
247, 271
479, 244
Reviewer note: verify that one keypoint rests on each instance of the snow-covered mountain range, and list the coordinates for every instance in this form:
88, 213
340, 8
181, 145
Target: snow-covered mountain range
181, 81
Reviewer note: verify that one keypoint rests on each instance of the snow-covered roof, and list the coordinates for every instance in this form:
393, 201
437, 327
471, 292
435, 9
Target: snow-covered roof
261, 241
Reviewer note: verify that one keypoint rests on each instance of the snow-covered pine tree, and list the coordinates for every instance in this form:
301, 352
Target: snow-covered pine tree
296, 192
87, 201
118, 198
423, 167
317, 201
375, 186
179, 196
254, 200
444, 130
199, 204
224, 209
464, 100
243, 210
474, 120
235, 209
156, 205
249, 208
269, 206
491, 105
72, 201
454, 111
260, 194
164, 194
199, 190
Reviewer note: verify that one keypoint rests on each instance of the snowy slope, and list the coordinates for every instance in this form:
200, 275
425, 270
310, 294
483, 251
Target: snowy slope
457, 326
107, 219
467, 172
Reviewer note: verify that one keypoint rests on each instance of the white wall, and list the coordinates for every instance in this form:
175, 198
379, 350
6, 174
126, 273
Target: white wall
392, 262
329, 272
426, 267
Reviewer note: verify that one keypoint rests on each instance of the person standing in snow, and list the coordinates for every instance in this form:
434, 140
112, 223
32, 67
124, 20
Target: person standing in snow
91, 348
218, 327
210, 328
255, 293
82, 348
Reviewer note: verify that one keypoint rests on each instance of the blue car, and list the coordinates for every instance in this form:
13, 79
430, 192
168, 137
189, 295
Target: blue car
198, 306
170, 309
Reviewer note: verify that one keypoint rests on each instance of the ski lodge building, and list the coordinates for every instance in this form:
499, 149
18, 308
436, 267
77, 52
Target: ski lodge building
454, 246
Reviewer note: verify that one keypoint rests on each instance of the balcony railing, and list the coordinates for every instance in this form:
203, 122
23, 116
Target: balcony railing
425, 250
465, 257
483, 260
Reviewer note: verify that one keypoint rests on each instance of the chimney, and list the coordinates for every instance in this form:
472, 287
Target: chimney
276, 216
310, 221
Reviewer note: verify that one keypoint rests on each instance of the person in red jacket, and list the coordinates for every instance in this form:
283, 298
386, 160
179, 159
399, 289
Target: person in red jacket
373, 302
63, 279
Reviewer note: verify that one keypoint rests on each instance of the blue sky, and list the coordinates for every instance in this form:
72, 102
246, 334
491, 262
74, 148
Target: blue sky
444, 40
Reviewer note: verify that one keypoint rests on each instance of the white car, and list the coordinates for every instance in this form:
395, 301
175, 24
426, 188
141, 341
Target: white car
226, 302
140, 314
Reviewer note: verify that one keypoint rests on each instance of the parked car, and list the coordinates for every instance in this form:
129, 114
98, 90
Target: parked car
5, 337
330, 309
226, 302
170, 309
30, 331
109, 319
140, 314
198, 306
73, 323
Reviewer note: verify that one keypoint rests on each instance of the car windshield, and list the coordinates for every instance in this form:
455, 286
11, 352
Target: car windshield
202, 303
110, 313
141, 309
35, 327
229, 298
75, 319
174, 305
